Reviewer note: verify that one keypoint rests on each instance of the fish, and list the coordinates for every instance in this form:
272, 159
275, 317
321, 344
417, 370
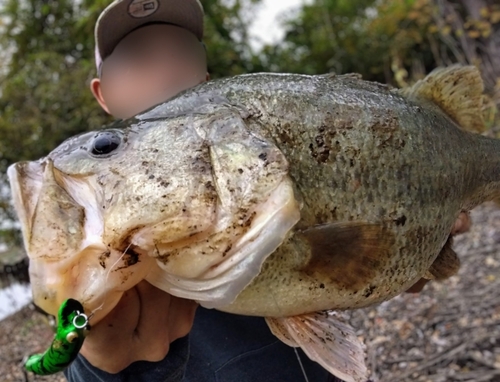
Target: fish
292, 197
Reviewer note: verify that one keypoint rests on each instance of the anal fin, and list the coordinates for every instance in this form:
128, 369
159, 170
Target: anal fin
445, 265
418, 286
326, 338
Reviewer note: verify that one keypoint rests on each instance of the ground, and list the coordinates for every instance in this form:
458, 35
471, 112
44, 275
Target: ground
450, 332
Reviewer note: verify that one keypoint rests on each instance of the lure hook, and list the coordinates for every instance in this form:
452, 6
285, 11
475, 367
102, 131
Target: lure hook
72, 325
77, 323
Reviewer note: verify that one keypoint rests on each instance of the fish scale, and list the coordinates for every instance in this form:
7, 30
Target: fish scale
411, 141
290, 197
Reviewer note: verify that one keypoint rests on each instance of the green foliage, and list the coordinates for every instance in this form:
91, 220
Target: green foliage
226, 37
45, 96
327, 36
391, 41
44, 93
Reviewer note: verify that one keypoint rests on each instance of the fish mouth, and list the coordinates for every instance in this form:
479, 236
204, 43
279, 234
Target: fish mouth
25, 180
51, 219
97, 277
62, 228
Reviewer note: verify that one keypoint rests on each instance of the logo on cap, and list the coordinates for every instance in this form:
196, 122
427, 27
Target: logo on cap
142, 8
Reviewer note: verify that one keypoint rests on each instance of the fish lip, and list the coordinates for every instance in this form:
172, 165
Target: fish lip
98, 308
84, 278
26, 180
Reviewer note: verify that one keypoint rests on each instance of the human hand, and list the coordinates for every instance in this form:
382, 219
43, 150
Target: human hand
462, 224
140, 327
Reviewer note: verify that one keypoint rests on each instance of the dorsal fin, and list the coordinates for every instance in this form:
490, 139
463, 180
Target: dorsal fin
334, 76
457, 90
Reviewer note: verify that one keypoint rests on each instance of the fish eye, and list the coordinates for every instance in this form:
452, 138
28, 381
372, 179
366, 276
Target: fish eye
105, 143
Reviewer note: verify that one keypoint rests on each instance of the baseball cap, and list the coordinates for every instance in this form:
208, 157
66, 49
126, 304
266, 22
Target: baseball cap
123, 16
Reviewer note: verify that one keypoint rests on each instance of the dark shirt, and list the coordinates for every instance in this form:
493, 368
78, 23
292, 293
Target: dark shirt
221, 347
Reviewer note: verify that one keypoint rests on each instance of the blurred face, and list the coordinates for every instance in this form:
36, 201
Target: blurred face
148, 66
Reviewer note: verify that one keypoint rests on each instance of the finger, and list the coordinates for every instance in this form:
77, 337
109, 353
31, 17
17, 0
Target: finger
151, 335
180, 324
163, 319
462, 224
107, 346
140, 327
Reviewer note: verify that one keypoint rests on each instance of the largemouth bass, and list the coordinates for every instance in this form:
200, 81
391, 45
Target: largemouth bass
291, 197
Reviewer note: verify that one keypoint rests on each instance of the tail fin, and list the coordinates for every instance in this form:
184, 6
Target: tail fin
457, 90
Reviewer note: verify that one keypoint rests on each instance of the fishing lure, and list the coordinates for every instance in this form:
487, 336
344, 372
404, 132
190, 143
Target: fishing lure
72, 325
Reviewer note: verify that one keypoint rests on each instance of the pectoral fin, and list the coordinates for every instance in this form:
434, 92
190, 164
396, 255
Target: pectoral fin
350, 254
326, 338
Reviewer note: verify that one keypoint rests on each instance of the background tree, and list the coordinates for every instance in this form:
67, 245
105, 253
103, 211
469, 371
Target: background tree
471, 31
391, 40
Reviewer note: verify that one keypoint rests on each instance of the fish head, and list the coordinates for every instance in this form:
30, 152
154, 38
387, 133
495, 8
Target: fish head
106, 209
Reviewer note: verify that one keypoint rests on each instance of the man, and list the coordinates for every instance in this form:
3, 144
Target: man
148, 51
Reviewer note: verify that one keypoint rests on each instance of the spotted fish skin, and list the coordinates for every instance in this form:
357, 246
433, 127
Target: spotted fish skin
290, 197
358, 152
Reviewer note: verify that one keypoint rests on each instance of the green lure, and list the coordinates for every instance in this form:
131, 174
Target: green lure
72, 325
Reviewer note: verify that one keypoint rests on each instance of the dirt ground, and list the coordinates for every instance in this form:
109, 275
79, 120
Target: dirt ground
23, 333
450, 332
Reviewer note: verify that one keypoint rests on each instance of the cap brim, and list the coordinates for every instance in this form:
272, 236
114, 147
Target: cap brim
116, 21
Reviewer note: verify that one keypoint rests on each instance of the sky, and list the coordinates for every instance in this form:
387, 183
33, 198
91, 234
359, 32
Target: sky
266, 28
13, 298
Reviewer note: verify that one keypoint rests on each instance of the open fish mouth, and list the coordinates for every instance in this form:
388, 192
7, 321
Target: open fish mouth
77, 250
62, 229
97, 275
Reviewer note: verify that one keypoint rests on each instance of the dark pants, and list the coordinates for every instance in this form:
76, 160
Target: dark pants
220, 348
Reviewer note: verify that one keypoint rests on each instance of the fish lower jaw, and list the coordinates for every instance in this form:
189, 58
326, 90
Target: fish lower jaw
95, 278
99, 308
95, 307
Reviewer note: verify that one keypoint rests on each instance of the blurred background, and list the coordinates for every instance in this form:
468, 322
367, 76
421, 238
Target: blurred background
47, 62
